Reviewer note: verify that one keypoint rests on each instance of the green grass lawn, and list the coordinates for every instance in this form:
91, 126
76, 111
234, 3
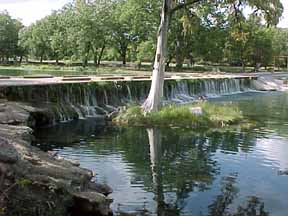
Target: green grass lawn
108, 69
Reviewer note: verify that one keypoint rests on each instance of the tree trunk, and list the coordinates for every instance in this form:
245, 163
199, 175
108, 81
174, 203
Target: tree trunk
179, 55
86, 55
95, 59
85, 61
21, 59
257, 67
41, 59
123, 56
243, 66
101, 54
153, 102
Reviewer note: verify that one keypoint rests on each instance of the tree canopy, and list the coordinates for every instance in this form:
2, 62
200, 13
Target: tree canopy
235, 32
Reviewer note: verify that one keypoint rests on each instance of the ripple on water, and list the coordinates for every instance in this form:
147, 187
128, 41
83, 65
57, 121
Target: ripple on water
273, 152
186, 170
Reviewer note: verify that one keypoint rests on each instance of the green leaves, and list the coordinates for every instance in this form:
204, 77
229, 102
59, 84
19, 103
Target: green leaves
205, 30
9, 29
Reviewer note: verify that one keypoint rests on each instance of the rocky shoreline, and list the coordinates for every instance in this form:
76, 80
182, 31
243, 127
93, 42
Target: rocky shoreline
33, 182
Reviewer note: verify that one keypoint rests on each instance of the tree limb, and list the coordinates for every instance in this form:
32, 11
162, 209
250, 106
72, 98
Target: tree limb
180, 6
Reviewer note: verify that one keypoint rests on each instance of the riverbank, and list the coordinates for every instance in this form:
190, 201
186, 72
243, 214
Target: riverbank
33, 182
111, 68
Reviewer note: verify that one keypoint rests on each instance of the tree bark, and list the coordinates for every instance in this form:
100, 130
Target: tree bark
86, 55
123, 56
243, 66
85, 62
95, 58
153, 102
101, 54
21, 59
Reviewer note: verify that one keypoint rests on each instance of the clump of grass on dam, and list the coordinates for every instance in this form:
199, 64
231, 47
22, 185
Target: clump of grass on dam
202, 114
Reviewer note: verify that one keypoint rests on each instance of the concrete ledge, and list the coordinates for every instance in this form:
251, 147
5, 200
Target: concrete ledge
77, 79
112, 78
47, 79
140, 77
5, 77
74, 76
45, 76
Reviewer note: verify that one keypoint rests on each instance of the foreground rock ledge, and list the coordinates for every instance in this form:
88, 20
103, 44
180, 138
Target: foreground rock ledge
33, 182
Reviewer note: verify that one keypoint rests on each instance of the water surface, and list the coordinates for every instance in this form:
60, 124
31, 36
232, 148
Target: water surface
238, 171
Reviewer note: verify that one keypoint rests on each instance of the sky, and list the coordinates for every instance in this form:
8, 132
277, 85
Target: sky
28, 11
31, 10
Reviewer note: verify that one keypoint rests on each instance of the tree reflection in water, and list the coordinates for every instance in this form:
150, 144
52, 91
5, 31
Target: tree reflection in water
229, 191
155, 143
220, 207
172, 165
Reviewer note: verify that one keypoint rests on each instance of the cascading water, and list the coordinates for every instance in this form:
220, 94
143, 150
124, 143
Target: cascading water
82, 100
188, 90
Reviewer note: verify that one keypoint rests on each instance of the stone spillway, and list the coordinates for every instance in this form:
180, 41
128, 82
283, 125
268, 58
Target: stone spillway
70, 97
50, 80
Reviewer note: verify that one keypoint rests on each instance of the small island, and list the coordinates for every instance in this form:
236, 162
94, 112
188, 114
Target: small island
201, 115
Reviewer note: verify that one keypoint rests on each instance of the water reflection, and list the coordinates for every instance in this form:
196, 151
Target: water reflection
163, 172
186, 172
229, 191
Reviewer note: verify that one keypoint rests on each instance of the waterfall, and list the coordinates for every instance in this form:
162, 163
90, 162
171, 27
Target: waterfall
81, 100
184, 91
129, 93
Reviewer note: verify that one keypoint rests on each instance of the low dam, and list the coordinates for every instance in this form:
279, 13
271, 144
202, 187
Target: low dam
79, 97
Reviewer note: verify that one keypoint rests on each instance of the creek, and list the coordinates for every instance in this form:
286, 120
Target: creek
233, 171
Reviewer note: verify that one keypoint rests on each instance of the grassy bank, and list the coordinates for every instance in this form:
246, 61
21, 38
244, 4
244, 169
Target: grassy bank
108, 68
189, 116
27, 69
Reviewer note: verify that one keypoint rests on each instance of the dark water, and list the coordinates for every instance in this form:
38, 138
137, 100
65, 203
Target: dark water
238, 171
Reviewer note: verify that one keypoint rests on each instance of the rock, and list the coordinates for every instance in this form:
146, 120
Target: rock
128, 214
12, 113
283, 172
110, 108
196, 111
101, 188
92, 202
112, 115
42, 180
8, 154
3, 172
72, 162
51, 180
101, 111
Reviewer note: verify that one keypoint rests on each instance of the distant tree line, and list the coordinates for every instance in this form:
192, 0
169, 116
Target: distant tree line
124, 30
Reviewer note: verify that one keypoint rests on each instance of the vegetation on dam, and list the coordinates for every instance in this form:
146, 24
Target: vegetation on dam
201, 115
